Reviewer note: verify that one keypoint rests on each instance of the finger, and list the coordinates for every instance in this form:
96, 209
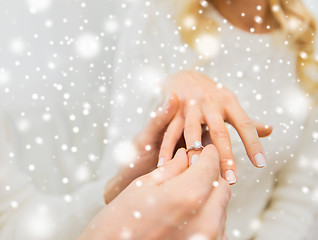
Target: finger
163, 117
115, 186
170, 139
225, 237
171, 169
221, 139
216, 203
263, 130
192, 131
247, 131
197, 180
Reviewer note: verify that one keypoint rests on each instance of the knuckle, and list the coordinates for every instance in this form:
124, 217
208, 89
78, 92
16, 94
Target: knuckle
225, 152
229, 95
194, 198
254, 146
203, 95
190, 127
219, 132
246, 123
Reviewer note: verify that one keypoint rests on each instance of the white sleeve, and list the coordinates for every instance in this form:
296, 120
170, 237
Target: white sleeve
141, 63
27, 213
146, 53
291, 211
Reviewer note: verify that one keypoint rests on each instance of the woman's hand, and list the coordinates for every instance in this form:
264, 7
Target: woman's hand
172, 202
147, 145
202, 101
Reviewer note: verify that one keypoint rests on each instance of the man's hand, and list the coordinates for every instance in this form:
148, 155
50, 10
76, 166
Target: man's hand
172, 202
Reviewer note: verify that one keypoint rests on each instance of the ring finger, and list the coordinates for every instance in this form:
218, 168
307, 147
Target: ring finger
192, 132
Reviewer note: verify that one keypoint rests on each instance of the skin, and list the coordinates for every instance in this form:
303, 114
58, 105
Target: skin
160, 134
232, 10
154, 207
154, 134
203, 102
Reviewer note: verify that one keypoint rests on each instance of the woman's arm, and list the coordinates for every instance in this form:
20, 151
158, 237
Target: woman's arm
292, 208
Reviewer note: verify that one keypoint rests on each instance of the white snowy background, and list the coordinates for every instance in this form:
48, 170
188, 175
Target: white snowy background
47, 45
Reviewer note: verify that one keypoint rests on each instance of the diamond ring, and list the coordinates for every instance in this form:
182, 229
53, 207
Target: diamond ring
197, 145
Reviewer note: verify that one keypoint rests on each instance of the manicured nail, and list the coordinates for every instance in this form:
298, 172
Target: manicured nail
194, 158
230, 176
260, 160
161, 162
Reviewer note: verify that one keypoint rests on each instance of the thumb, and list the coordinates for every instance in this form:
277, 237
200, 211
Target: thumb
263, 130
170, 169
113, 187
225, 237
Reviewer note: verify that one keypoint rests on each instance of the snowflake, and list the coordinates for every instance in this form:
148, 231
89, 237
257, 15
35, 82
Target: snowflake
87, 46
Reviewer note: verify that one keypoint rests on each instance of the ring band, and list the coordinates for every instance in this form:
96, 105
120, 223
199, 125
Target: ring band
197, 145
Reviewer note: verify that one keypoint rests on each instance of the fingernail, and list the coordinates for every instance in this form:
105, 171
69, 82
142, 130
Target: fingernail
161, 162
194, 158
230, 176
260, 160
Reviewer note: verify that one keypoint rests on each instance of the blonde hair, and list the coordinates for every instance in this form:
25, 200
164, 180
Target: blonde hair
289, 16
